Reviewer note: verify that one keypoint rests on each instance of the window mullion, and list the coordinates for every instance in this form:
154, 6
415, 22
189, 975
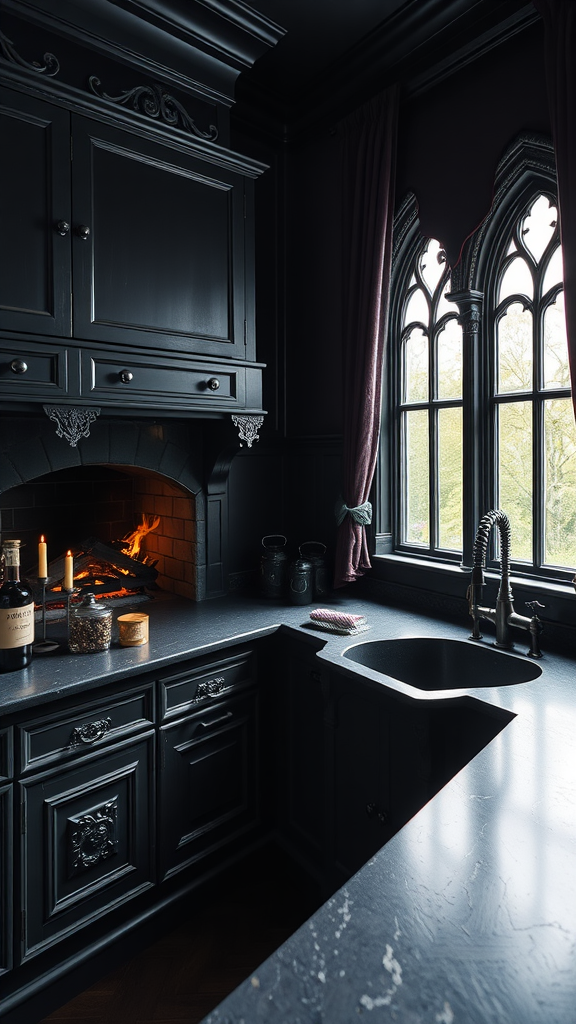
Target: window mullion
470, 304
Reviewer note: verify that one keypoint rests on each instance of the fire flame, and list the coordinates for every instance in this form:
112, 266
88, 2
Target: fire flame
132, 541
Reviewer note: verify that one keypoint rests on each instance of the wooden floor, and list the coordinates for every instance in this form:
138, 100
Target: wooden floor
187, 972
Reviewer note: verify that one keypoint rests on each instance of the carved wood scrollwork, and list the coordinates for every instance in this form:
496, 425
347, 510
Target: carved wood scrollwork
153, 101
93, 837
73, 422
50, 67
248, 427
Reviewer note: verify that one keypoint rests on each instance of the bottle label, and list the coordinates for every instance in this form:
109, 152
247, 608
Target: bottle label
16, 626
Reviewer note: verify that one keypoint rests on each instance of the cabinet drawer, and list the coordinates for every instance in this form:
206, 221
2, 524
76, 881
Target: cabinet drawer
178, 384
203, 682
6, 760
33, 371
80, 730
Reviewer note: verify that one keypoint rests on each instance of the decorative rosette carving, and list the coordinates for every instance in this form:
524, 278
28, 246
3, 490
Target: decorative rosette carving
154, 101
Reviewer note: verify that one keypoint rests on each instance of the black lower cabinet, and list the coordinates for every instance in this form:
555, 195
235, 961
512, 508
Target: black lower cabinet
208, 780
5, 878
88, 841
300, 754
360, 777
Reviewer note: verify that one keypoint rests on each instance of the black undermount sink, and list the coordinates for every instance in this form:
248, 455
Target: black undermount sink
437, 663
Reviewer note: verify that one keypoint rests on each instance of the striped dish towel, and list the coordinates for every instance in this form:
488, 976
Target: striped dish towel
338, 622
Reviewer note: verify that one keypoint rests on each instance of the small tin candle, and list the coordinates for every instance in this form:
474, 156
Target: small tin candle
133, 629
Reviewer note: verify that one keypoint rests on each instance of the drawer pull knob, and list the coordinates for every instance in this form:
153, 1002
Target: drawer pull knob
18, 366
213, 384
215, 721
90, 733
63, 227
83, 231
126, 376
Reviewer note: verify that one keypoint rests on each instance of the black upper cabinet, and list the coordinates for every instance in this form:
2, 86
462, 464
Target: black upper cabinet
111, 236
158, 245
35, 256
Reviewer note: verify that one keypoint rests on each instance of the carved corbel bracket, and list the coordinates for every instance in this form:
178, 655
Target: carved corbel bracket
73, 422
248, 427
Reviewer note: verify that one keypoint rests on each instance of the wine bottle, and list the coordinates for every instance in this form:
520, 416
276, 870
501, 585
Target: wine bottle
16, 613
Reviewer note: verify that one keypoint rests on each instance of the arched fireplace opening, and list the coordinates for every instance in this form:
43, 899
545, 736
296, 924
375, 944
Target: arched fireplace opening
93, 508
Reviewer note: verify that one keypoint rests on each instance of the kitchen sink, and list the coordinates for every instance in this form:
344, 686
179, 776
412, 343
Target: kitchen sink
437, 663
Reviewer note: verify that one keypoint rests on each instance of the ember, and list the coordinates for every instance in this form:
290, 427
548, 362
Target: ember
114, 570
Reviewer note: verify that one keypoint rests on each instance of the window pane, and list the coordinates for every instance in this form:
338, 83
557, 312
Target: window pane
556, 371
539, 226
416, 366
416, 495
450, 479
515, 473
417, 309
444, 306
450, 361
517, 279
554, 272
560, 483
432, 264
514, 333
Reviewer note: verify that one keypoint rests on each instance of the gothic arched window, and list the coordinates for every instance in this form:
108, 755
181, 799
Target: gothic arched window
480, 412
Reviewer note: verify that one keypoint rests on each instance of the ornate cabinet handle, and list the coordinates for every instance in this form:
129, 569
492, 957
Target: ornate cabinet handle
18, 366
215, 721
210, 687
63, 227
83, 231
90, 733
126, 376
213, 383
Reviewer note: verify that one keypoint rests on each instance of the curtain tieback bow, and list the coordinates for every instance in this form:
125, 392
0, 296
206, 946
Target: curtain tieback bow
361, 514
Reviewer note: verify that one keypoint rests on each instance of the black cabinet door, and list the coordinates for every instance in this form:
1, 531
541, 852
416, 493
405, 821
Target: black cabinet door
209, 781
88, 841
158, 245
361, 776
301, 803
5, 878
34, 201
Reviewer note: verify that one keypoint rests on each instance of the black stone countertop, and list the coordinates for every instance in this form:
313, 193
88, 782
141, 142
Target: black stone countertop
469, 913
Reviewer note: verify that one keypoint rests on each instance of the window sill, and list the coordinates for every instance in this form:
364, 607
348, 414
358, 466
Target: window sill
450, 582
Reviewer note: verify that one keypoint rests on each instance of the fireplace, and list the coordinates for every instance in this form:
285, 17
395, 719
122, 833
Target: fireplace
125, 473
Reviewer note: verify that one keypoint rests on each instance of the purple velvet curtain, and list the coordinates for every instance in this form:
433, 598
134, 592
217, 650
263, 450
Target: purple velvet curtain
368, 166
560, 56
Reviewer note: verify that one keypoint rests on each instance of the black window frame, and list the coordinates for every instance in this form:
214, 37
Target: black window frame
527, 170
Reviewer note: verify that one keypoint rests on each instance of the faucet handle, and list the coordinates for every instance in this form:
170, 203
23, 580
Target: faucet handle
534, 605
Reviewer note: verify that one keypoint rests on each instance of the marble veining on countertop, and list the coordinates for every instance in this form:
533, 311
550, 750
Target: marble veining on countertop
468, 914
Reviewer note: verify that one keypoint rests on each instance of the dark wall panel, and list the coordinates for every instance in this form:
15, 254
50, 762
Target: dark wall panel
452, 137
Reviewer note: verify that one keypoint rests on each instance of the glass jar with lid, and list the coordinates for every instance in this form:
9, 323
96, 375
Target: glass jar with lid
90, 626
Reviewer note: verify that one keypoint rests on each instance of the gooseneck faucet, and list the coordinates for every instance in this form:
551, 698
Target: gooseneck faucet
503, 615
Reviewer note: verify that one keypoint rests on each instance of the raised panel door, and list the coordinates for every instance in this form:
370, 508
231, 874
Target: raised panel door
301, 758
6, 864
35, 216
361, 777
209, 781
164, 257
87, 843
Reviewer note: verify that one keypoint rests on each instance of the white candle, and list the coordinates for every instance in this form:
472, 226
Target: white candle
68, 571
42, 559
